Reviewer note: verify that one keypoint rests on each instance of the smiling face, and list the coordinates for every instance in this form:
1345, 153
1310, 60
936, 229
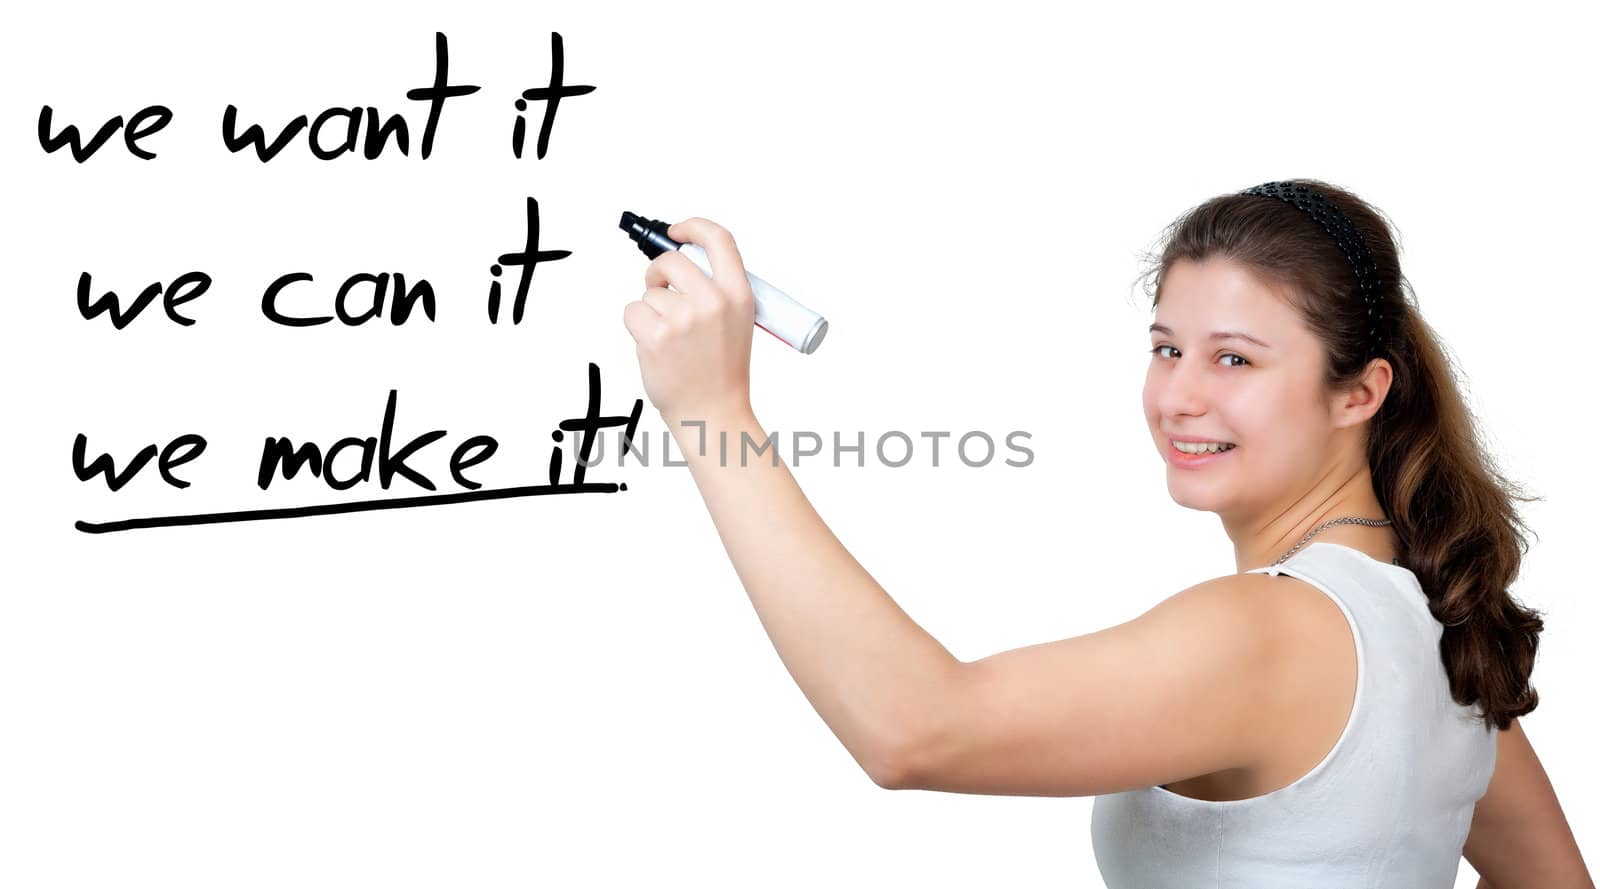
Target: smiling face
1267, 399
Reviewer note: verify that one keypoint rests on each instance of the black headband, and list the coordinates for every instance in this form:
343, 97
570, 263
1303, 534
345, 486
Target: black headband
1344, 233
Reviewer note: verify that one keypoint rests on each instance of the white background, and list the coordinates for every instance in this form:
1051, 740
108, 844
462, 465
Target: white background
575, 690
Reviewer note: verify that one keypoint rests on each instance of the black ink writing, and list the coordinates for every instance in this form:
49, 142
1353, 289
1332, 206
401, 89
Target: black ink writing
377, 135
147, 121
177, 452
527, 258
187, 286
551, 95
332, 133
590, 425
276, 452
376, 288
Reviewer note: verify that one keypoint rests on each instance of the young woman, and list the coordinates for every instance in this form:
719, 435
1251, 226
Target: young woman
1341, 712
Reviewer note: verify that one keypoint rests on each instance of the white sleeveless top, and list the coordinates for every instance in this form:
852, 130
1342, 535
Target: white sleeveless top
1388, 807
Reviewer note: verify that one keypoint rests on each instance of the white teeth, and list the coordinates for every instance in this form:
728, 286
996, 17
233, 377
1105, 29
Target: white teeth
1210, 447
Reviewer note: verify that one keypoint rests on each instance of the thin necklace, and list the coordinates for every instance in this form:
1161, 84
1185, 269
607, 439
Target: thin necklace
1339, 521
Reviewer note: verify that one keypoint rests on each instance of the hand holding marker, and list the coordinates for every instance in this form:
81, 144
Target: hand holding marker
776, 312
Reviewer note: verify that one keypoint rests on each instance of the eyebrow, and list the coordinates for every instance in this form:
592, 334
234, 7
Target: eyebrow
1217, 335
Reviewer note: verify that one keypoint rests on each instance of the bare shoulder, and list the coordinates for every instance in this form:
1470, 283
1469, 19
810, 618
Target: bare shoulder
1302, 639
1247, 605
1288, 601
1277, 615
1303, 707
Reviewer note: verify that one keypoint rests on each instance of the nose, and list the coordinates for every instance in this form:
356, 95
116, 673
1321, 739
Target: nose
1182, 389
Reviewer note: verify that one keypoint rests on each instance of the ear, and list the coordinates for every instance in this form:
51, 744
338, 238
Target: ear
1362, 400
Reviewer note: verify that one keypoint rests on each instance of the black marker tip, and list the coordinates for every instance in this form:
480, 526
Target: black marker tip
649, 234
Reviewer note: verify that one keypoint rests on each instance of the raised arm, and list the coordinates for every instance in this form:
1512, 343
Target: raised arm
1520, 838
1175, 693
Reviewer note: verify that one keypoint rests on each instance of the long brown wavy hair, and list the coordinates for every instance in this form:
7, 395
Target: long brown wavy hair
1452, 509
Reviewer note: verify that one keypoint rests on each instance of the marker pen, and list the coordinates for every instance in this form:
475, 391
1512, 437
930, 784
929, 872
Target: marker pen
776, 312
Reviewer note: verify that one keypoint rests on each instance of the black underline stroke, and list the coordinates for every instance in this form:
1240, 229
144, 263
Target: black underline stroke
295, 512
